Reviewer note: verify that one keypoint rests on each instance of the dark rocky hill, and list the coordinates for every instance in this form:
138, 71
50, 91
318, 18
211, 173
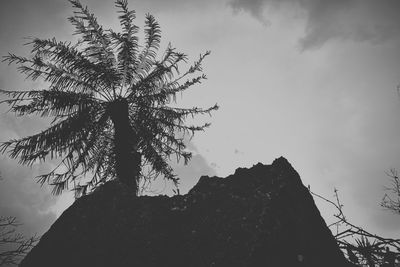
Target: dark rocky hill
262, 216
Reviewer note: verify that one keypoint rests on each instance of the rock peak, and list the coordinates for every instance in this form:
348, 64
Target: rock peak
260, 216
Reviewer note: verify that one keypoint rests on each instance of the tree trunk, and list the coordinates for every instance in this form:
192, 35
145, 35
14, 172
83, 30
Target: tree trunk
127, 159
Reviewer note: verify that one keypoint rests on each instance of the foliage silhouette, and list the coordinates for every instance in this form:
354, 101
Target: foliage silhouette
111, 102
361, 247
391, 200
13, 245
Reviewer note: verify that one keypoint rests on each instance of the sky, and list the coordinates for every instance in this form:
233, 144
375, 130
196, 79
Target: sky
314, 81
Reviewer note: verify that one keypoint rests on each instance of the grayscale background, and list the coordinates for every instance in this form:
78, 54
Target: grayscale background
313, 81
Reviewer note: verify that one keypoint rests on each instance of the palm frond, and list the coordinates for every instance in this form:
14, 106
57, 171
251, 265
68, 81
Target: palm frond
54, 141
126, 18
78, 161
159, 164
158, 75
87, 85
48, 102
61, 64
97, 41
152, 43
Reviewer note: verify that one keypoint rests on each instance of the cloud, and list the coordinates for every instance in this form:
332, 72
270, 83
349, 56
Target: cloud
356, 20
22, 197
26, 18
188, 176
20, 194
238, 152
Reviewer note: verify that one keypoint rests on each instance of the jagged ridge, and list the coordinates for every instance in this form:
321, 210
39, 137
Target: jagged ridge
261, 216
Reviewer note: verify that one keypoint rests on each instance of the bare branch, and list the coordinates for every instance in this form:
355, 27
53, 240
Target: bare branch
360, 246
13, 245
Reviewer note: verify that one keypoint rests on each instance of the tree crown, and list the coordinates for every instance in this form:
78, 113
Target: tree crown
89, 83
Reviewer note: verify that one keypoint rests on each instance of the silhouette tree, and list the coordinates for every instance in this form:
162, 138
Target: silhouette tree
361, 246
13, 245
111, 100
391, 200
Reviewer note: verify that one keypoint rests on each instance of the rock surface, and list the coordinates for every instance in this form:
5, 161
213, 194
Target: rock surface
261, 216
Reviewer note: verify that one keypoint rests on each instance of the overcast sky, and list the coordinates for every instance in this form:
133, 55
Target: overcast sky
313, 81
